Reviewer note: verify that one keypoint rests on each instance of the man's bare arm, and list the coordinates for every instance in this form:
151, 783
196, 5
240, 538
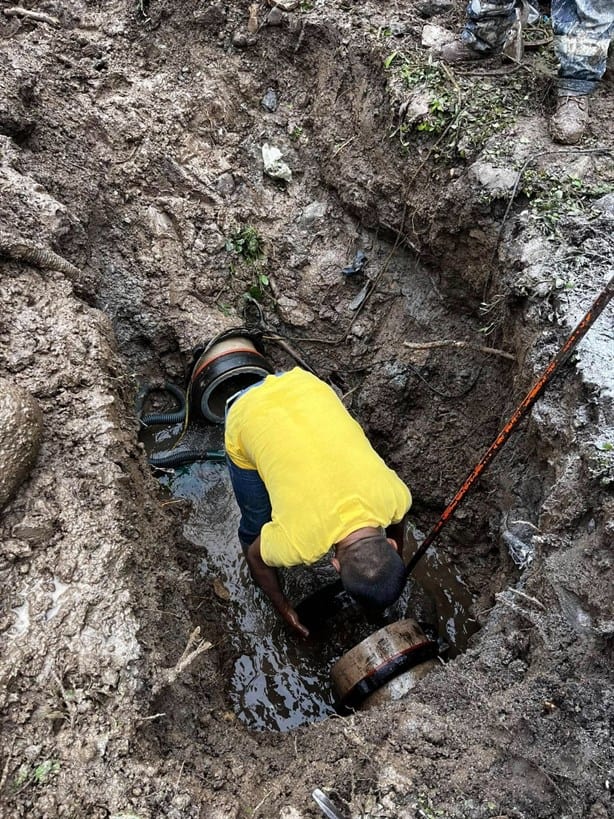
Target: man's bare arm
266, 577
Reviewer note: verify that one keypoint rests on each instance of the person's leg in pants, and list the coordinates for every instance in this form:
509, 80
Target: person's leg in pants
488, 24
253, 500
583, 30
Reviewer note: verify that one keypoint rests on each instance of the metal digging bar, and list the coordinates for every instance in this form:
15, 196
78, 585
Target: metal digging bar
521, 410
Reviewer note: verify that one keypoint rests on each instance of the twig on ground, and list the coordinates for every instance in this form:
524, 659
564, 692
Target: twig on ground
428, 345
339, 148
5, 768
528, 598
37, 16
281, 342
194, 648
532, 617
180, 774
261, 803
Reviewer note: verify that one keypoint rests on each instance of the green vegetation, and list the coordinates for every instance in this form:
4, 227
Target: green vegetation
426, 809
249, 246
37, 774
247, 243
456, 115
257, 289
553, 196
296, 133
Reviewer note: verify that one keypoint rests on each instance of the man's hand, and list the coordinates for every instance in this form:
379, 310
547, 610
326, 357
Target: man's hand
291, 618
266, 577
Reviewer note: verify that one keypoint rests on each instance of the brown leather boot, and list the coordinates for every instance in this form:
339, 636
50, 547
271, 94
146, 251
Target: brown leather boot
458, 52
570, 119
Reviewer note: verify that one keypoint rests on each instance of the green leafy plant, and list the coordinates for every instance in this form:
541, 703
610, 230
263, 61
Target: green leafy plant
257, 290
296, 133
460, 113
553, 196
37, 774
247, 243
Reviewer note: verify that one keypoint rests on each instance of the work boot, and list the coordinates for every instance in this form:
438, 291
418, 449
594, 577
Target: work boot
570, 120
459, 52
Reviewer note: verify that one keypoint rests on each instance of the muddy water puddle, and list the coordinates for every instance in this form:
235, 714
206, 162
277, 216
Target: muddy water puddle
279, 682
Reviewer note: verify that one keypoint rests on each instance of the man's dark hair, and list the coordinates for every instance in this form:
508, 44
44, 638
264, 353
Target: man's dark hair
372, 572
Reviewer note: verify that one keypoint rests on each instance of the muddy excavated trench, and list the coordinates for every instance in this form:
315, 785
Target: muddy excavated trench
137, 221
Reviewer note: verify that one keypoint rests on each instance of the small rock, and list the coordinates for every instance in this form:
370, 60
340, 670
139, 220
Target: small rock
273, 165
429, 8
435, 36
605, 204
495, 180
275, 17
290, 311
211, 17
225, 184
312, 213
270, 101
398, 29
21, 429
220, 589
33, 530
415, 109
239, 40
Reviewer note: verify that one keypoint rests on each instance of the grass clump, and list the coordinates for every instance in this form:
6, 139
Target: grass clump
456, 115
553, 196
248, 244
36, 774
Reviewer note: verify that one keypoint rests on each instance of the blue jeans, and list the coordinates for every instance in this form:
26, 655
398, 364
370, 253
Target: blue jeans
253, 500
249, 489
582, 30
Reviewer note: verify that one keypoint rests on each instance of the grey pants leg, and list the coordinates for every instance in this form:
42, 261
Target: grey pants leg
488, 22
583, 30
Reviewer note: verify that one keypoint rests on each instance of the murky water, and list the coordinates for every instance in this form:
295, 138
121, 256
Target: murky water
278, 681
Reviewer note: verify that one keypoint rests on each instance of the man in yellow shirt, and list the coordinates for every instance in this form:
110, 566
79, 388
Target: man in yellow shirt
307, 480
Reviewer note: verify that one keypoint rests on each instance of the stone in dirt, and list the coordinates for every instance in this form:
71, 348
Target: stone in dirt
21, 431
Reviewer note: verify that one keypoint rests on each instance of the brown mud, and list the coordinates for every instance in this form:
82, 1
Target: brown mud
131, 166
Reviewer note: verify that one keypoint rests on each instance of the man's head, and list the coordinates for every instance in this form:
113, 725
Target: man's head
372, 571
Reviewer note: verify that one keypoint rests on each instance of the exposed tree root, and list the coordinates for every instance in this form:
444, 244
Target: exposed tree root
36, 16
39, 257
431, 345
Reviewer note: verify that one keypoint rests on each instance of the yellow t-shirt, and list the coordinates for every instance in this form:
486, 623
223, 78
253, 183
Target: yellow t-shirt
323, 477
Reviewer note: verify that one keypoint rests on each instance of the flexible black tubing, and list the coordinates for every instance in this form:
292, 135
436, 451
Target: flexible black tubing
161, 418
186, 456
